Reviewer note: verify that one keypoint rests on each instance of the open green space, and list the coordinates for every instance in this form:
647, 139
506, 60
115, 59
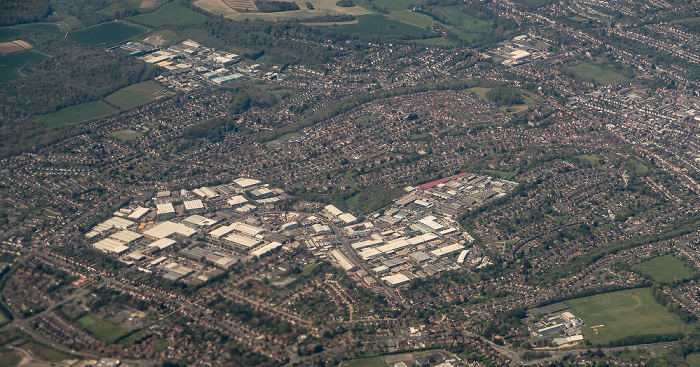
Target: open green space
171, 13
126, 135
480, 91
693, 359
44, 353
14, 32
75, 114
10, 358
160, 346
103, 330
440, 41
665, 269
131, 339
599, 74
455, 16
625, 313
382, 26
507, 175
106, 34
690, 22
593, 159
10, 63
640, 168
411, 17
3, 319
368, 362
135, 94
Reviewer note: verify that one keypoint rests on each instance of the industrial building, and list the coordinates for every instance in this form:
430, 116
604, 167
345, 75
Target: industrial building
167, 229
343, 261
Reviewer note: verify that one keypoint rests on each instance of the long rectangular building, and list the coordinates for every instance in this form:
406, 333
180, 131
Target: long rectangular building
343, 261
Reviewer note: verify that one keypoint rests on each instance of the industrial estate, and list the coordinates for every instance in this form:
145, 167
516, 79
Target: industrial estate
349, 183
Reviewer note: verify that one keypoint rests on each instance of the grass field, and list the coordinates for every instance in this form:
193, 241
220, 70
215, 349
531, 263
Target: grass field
3, 319
131, 339
599, 74
321, 7
10, 63
160, 346
593, 159
15, 32
105, 34
382, 26
135, 94
693, 359
170, 13
126, 135
44, 353
368, 362
410, 17
10, 358
75, 114
665, 269
103, 330
623, 313
441, 41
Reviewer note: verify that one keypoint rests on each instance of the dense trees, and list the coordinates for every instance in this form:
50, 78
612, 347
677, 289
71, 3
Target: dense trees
24, 11
271, 6
505, 96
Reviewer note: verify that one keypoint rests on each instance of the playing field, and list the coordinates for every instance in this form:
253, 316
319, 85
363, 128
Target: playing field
135, 94
599, 74
170, 13
75, 114
665, 268
105, 34
368, 362
619, 314
380, 25
103, 330
10, 63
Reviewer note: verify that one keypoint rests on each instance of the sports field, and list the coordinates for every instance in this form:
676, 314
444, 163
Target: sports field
105, 34
665, 269
368, 362
75, 114
170, 13
619, 314
10, 63
599, 74
135, 94
103, 330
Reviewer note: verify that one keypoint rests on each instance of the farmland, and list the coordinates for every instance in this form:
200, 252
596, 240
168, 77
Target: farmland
75, 114
135, 95
321, 7
170, 13
615, 315
10, 63
103, 330
665, 269
380, 25
105, 34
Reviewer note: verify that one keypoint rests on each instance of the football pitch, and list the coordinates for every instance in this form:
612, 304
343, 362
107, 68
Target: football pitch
615, 315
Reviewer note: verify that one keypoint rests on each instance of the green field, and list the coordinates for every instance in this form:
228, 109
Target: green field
10, 358
131, 339
380, 25
75, 114
665, 269
44, 353
3, 319
135, 94
126, 135
105, 34
170, 13
160, 346
10, 63
368, 362
693, 359
599, 74
16, 31
623, 313
416, 19
103, 330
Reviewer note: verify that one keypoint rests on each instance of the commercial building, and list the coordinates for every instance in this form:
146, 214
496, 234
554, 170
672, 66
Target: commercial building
167, 229
396, 280
343, 261
165, 208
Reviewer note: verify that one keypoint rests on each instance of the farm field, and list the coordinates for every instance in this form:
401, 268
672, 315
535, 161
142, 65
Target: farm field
170, 13
105, 34
380, 25
665, 269
413, 18
10, 63
621, 314
135, 94
321, 7
75, 114
103, 330
599, 74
